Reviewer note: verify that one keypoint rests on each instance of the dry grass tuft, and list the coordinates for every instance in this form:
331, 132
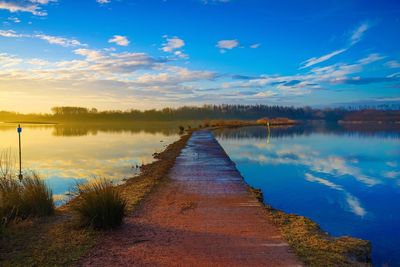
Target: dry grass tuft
99, 205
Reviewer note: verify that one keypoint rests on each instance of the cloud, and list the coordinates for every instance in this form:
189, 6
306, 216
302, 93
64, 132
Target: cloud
315, 60
103, 1
174, 45
14, 19
255, 46
368, 80
391, 174
227, 44
393, 64
119, 40
358, 33
31, 6
66, 42
356, 36
7, 61
59, 40
10, 34
371, 58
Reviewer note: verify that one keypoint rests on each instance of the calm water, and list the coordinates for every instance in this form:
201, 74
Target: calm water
348, 181
64, 155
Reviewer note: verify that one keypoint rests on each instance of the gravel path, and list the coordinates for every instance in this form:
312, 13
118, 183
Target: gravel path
204, 216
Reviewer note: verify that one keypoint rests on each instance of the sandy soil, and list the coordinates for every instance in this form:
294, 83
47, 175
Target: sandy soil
204, 216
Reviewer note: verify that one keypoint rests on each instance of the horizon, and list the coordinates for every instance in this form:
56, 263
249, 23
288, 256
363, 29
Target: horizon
120, 55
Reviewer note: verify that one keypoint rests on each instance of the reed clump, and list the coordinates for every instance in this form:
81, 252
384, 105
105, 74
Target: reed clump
99, 205
24, 199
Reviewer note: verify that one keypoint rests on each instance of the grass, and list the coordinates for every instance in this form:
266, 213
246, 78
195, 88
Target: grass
23, 200
58, 241
99, 205
315, 247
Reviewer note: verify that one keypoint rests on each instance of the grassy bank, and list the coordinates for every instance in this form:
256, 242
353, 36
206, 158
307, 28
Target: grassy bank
58, 240
315, 247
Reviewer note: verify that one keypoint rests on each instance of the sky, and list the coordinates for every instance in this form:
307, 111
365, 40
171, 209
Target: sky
144, 54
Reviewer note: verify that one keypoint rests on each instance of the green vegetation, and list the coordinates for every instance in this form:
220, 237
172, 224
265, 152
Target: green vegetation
315, 247
99, 205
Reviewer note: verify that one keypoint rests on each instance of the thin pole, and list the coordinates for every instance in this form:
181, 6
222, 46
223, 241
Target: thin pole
20, 153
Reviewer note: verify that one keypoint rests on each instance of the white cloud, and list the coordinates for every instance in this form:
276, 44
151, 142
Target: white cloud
103, 1
14, 19
358, 33
66, 42
227, 44
7, 61
391, 174
265, 94
315, 60
31, 6
91, 55
172, 44
119, 40
10, 33
356, 36
59, 40
255, 46
393, 64
371, 58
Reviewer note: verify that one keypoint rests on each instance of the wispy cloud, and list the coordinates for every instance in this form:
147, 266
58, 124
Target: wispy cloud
371, 58
315, 60
393, 64
103, 1
31, 6
57, 40
358, 33
355, 37
119, 40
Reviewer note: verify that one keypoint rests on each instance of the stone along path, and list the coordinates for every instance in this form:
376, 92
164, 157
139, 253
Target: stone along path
204, 216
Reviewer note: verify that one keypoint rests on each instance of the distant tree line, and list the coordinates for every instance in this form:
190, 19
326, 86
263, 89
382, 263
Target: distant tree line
207, 112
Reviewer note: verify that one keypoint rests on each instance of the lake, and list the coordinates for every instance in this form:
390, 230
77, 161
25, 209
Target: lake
66, 154
345, 178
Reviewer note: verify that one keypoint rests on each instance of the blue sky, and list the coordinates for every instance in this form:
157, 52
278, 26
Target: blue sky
120, 54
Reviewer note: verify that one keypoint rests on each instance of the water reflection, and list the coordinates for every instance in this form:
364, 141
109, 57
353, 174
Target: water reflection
347, 180
67, 154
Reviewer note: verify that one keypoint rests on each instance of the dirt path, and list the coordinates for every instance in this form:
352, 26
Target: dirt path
203, 217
